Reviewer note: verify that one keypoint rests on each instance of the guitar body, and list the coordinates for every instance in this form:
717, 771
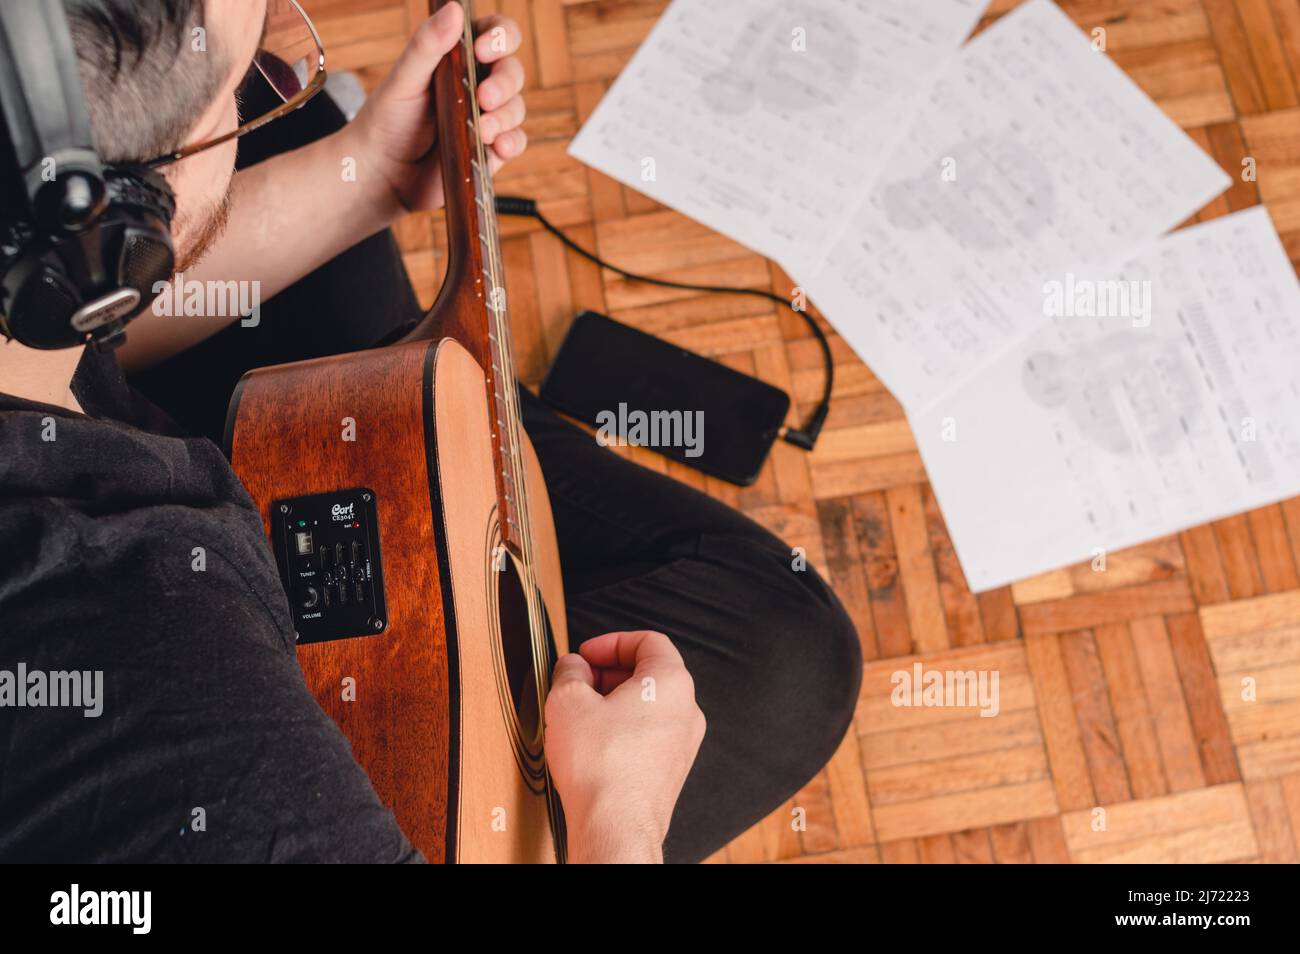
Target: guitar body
435, 707
415, 539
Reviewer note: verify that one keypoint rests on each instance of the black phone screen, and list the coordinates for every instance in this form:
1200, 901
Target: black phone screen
637, 389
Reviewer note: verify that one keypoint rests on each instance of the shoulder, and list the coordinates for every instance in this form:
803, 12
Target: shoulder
196, 738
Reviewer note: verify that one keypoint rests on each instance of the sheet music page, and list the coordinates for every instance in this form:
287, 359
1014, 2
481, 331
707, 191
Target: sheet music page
1032, 152
1098, 433
767, 119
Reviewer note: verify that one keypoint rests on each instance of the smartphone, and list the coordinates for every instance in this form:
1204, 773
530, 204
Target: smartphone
634, 388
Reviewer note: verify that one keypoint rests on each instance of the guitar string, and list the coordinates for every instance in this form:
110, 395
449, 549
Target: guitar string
507, 388
503, 376
505, 357
541, 655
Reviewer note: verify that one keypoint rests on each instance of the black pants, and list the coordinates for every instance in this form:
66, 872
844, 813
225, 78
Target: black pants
775, 659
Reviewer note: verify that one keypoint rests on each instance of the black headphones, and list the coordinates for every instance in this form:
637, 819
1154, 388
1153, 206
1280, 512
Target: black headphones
82, 244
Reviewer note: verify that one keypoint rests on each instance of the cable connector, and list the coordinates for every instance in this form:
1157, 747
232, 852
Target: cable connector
515, 205
806, 437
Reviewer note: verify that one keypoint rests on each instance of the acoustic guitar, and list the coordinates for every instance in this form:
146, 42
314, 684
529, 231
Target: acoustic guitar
414, 536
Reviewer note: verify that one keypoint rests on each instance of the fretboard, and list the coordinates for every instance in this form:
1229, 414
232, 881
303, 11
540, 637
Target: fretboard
472, 306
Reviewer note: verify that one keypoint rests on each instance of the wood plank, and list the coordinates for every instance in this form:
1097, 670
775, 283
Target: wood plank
1235, 57
1196, 672
1113, 606
972, 847
995, 806
554, 68
845, 569
1014, 729
1147, 563
1201, 826
1011, 844
888, 606
1251, 616
849, 800
1179, 753
956, 775
813, 803
1061, 731
961, 609
1204, 565
1047, 841
1273, 546
848, 856
998, 614
916, 570
1096, 719
1267, 53
1238, 552
1133, 719
903, 852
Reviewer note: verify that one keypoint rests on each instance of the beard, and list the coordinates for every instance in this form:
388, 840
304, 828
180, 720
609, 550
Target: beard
198, 231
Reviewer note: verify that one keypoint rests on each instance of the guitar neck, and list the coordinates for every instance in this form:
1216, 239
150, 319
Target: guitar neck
471, 307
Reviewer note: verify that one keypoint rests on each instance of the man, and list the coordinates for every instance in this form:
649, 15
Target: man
207, 746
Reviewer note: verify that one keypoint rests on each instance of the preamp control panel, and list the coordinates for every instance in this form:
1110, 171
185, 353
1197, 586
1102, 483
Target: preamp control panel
327, 546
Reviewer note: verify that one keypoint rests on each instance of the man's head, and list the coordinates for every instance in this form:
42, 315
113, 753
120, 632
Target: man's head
159, 75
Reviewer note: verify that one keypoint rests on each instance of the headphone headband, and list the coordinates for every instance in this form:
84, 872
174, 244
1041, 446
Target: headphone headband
40, 95
81, 258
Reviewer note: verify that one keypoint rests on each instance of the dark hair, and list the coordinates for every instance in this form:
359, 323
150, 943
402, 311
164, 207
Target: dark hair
149, 69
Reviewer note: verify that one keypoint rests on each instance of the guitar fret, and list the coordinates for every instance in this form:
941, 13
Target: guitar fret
507, 436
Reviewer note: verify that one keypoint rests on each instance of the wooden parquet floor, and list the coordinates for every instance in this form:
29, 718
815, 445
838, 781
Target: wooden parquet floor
1164, 691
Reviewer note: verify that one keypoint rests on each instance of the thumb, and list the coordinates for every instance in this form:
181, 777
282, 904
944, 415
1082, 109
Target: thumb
435, 38
572, 670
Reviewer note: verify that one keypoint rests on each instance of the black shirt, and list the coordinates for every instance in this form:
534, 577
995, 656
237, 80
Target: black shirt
129, 549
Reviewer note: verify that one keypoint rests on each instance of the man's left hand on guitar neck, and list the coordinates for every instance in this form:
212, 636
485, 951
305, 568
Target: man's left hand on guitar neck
393, 133
378, 168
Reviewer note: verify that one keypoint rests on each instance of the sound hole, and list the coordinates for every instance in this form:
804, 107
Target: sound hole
517, 653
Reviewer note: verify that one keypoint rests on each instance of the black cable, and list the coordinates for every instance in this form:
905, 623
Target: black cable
805, 438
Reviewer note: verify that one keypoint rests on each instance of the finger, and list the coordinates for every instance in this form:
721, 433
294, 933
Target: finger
510, 145
502, 120
631, 651
607, 680
506, 81
572, 670
436, 36
498, 37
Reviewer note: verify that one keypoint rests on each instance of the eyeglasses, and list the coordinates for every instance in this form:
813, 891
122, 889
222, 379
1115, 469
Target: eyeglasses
291, 59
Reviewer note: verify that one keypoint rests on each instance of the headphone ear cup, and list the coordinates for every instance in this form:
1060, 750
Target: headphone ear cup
61, 290
142, 210
39, 301
145, 261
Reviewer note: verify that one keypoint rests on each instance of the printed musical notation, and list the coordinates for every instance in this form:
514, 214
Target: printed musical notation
1024, 161
1096, 433
765, 120
1033, 153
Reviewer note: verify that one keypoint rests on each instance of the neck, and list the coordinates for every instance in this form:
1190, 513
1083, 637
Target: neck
43, 376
